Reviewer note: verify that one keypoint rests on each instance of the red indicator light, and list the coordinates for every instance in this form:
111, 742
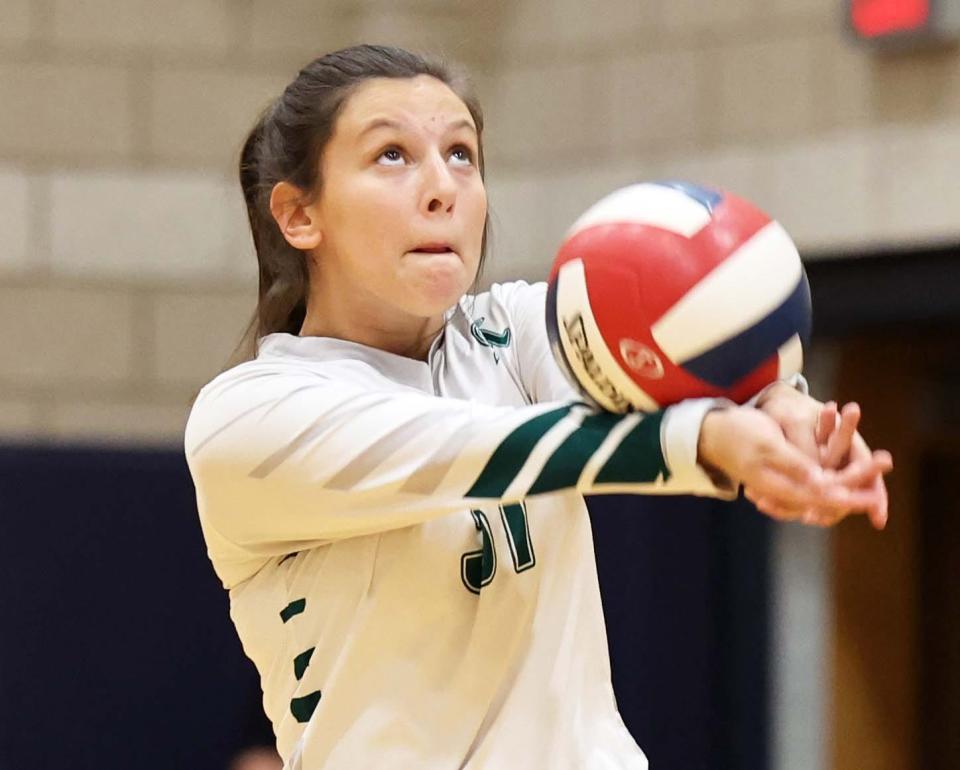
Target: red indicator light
875, 18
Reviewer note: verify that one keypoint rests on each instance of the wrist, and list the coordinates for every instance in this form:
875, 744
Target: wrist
708, 446
777, 389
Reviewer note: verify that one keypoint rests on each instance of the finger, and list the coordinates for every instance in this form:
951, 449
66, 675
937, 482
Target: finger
808, 516
769, 483
771, 507
839, 443
792, 463
818, 519
861, 470
850, 501
803, 438
774, 510
871, 502
826, 422
879, 513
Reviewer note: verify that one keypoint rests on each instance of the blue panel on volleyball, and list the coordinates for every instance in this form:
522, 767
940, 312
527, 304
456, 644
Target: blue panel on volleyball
706, 197
730, 361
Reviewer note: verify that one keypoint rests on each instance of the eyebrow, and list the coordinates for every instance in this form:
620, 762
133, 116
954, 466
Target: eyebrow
388, 123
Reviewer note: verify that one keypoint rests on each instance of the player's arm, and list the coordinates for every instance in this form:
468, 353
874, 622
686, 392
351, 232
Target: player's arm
787, 402
283, 458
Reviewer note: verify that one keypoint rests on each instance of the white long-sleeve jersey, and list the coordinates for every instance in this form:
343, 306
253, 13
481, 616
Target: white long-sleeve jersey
406, 546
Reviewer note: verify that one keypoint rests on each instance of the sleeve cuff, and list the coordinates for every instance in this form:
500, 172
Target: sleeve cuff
679, 438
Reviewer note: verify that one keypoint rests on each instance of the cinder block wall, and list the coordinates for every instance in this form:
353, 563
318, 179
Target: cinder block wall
126, 271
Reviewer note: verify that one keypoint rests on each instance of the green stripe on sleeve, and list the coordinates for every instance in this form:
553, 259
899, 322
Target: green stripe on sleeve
566, 463
639, 458
509, 457
303, 708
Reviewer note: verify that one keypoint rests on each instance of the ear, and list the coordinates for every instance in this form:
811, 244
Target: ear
297, 220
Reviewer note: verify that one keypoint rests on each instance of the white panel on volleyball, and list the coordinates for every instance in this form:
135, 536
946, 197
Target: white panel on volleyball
647, 204
572, 296
790, 356
745, 288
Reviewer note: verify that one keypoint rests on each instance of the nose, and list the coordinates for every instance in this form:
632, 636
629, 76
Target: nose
439, 191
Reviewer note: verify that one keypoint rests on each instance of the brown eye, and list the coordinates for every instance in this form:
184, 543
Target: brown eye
390, 157
462, 154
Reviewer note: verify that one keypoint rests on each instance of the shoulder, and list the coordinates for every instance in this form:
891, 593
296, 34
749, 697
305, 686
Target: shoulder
235, 391
283, 369
513, 292
509, 303
256, 375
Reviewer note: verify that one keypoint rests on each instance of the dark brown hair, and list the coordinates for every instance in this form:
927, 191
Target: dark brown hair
287, 144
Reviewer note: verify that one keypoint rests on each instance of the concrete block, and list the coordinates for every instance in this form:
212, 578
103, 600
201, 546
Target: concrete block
173, 25
570, 193
862, 88
461, 35
738, 169
847, 80
821, 191
535, 210
138, 225
520, 225
654, 100
915, 183
545, 114
118, 422
766, 90
194, 334
827, 11
64, 336
920, 88
15, 22
303, 30
14, 221
541, 27
694, 15
241, 257
19, 419
201, 118
59, 111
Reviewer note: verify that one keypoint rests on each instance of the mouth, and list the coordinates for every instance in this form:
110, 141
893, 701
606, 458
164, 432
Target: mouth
433, 248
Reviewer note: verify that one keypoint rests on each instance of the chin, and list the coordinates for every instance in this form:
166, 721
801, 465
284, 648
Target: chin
438, 302
439, 291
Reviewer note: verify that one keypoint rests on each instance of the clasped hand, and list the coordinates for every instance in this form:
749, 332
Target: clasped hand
798, 459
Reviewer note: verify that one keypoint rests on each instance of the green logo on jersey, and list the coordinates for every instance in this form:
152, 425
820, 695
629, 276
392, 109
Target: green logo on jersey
490, 339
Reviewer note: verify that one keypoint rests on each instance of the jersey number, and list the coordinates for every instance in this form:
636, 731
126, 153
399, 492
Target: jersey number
477, 568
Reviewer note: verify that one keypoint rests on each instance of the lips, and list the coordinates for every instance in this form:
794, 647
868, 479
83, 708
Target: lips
434, 248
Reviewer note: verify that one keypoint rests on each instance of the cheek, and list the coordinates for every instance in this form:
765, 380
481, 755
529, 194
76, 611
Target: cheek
372, 219
478, 215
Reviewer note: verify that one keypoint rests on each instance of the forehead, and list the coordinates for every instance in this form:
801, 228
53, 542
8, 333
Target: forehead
421, 102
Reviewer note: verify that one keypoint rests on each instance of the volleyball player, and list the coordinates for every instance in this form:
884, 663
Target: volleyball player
392, 488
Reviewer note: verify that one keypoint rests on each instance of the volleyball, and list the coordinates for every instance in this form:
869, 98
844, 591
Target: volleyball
663, 291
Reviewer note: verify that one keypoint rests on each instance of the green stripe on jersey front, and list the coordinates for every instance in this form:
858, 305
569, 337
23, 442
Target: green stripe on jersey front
303, 708
293, 609
301, 662
509, 457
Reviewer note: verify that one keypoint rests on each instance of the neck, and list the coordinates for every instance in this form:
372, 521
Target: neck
346, 316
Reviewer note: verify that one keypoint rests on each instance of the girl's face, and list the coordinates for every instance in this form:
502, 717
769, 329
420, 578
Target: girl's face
402, 205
